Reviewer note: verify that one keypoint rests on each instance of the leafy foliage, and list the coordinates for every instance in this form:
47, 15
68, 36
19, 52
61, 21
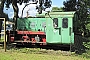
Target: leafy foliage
82, 9
70, 5
57, 8
47, 4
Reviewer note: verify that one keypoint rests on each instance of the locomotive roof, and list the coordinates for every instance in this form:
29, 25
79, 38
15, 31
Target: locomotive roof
40, 15
61, 14
64, 13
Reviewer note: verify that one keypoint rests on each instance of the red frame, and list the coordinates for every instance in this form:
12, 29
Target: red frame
30, 32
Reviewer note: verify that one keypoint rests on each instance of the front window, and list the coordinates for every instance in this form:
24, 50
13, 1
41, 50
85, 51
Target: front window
65, 22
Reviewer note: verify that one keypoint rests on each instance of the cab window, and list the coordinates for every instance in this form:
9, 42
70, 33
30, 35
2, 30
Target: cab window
55, 22
65, 22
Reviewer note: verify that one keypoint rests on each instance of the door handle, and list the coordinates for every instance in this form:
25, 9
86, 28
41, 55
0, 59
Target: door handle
70, 31
59, 31
59, 28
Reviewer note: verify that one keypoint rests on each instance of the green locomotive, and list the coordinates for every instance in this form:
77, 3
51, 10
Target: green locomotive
50, 28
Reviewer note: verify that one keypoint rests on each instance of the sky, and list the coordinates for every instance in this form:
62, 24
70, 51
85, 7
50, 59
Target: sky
31, 8
58, 3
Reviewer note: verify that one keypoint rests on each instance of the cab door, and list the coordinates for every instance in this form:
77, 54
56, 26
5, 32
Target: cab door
53, 31
56, 30
65, 31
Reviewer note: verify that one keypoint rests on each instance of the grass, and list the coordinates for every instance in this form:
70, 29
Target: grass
2, 39
42, 54
38, 54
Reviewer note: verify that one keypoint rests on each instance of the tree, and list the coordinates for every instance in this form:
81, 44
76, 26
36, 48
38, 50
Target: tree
2, 14
81, 8
57, 8
15, 8
47, 4
69, 5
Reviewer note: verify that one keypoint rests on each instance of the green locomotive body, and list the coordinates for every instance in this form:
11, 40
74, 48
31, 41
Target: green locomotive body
31, 24
49, 28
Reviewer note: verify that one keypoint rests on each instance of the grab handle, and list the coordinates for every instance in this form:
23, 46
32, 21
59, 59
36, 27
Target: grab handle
70, 31
59, 28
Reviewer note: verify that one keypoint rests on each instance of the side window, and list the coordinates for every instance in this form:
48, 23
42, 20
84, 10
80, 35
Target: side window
43, 24
32, 24
55, 22
21, 24
65, 22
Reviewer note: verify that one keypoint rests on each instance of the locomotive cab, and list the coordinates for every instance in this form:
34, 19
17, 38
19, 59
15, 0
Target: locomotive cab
59, 27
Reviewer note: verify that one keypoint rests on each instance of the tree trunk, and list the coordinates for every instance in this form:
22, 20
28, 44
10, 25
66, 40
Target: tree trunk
15, 8
1, 13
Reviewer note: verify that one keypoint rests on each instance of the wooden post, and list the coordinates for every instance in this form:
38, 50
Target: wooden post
4, 34
3, 19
